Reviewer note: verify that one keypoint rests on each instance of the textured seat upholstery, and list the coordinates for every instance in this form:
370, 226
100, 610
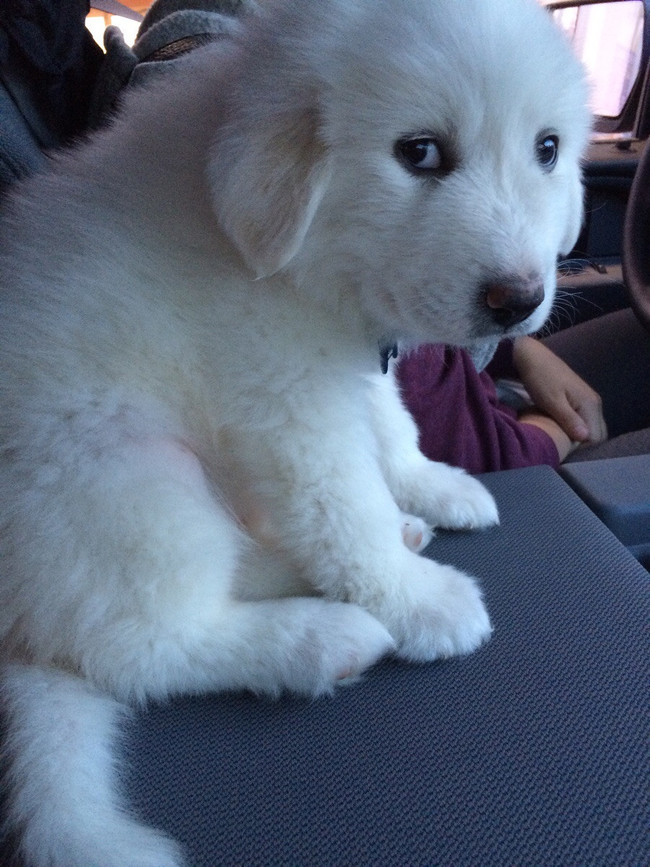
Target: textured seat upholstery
533, 751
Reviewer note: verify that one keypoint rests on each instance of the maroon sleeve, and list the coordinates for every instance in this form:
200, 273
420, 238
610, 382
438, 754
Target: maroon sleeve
460, 419
502, 365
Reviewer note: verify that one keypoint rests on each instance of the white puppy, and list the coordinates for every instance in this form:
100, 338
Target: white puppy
201, 487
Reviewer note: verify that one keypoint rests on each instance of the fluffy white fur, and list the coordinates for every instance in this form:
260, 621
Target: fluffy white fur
204, 485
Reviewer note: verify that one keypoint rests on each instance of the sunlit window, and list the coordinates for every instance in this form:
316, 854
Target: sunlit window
608, 39
97, 22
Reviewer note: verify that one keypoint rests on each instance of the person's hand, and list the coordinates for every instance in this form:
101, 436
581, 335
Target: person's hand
559, 394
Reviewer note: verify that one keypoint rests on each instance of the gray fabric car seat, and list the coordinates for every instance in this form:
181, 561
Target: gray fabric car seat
535, 750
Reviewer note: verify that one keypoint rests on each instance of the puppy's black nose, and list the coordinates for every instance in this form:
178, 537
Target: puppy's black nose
513, 299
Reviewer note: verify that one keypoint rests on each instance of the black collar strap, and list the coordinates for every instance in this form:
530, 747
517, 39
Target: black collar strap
386, 352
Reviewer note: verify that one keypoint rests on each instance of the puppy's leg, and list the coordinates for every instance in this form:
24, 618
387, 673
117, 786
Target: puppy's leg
143, 567
340, 524
136, 593
443, 495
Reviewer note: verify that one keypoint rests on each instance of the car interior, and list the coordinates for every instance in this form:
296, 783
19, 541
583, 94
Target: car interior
535, 750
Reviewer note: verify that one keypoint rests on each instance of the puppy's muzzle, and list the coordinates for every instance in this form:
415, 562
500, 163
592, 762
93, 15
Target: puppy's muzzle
510, 300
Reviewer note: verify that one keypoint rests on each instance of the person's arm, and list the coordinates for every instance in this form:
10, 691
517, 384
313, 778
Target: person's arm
551, 428
459, 417
565, 407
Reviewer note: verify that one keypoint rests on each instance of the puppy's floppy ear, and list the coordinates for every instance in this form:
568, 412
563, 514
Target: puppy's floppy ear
268, 175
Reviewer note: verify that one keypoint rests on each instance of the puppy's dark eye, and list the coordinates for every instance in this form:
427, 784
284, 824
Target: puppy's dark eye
547, 149
420, 154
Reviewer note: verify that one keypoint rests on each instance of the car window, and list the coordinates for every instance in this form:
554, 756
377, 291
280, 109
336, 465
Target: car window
608, 37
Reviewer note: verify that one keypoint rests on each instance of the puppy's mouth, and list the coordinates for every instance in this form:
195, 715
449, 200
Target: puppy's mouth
505, 305
482, 352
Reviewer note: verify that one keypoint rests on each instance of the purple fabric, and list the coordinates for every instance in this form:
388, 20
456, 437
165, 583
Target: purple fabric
459, 416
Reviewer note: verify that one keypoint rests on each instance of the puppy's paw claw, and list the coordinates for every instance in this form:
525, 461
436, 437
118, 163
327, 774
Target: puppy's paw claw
416, 533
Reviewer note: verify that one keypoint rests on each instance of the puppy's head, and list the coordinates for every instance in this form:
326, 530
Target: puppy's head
423, 158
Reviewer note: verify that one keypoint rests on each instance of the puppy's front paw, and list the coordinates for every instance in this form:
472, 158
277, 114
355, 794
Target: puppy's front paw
450, 498
466, 505
332, 643
439, 613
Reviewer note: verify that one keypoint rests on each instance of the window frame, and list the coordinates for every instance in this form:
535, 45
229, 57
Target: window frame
634, 120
